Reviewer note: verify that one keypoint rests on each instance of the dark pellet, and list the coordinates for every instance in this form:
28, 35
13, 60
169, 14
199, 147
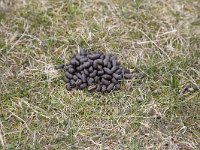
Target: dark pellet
97, 62
105, 82
105, 62
110, 87
116, 76
118, 71
66, 79
68, 75
114, 68
114, 81
100, 73
86, 72
94, 56
83, 59
90, 81
98, 89
108, 71
86, 64
114, 62
82, 86
75, 77
83, 78
93, 74
72, 82
96, 79
106, 76
78, 75
109, 65
71, 70
73, 61
90, 69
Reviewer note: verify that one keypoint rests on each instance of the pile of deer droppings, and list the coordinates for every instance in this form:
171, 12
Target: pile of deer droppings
95, 70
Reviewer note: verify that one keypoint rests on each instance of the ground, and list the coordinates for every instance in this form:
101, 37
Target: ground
157, 38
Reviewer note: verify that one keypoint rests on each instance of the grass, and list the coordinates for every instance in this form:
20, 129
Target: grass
159, 39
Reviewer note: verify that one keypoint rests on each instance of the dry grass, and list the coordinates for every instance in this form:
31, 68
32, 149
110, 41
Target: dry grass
158, 38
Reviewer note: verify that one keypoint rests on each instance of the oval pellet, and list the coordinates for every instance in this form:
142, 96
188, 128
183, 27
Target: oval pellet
101, 72
105, 62
114, 68
72, 82
116, 76
71, 70
90, 81
110, 87
114, 62
66, 79
105, 82
114, 80
96, 79
97, 62
83, 59
75, 77
83, 78
108, 71
109, 65
73, 62
68, 75
78, 75
90, 69
82, 86
118, 71
94, 56
86, 72
106, 76
86, 64
98, 88
93, 74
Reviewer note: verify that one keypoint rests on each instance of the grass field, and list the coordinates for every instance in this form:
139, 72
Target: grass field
157, 38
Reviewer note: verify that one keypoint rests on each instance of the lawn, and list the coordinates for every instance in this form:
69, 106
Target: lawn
158, 39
